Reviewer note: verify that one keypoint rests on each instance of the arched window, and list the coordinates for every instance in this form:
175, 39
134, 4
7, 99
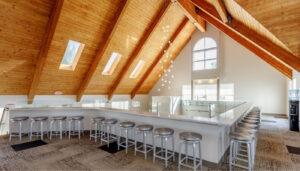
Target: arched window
205, 54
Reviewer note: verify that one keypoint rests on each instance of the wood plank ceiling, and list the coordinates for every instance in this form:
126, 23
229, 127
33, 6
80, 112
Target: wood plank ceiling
34, 35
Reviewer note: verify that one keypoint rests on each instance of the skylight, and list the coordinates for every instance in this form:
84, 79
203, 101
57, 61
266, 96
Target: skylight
72, 55
112, 63
137, 69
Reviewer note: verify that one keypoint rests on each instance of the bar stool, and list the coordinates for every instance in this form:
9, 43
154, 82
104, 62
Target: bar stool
97, 124
18, 120
126, 127
73, 122
107, 126
39, 124
164, 134
238, 138
143, 130
190, 138
58, 121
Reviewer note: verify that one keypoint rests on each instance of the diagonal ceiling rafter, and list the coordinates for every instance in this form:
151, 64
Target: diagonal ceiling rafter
158, 58
139, 47
266, 50
189, 11
110, 32
51, 26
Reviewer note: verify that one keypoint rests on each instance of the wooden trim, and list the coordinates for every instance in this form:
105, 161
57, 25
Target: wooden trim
221, 10
139, 47
107, 37
189, 11
249, 39
158, 57
51, 27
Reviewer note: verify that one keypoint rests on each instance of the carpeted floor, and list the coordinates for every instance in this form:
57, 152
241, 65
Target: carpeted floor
272, 153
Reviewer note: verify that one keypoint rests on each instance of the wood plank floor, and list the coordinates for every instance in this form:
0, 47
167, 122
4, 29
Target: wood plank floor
272, 153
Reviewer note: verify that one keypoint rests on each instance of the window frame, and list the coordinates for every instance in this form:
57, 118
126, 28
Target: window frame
204, 60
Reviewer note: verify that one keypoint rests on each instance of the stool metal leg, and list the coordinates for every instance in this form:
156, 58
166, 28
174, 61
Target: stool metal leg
42, 131
173, 147
166, 152
119, 137
179, 157
51, 129
70, 124
79, 129
154, 149
96, 128
60, 129
186, 152
194, 156
126, 133
31, 125
10, 130
135, 142
145, 146
20, 131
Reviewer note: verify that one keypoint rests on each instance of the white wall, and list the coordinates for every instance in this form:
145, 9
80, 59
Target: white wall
254, 80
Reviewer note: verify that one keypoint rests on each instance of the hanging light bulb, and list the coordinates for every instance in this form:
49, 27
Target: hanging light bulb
169, 87
162, 85
169, 70
158, 89
172, 76
169, 82
166, 74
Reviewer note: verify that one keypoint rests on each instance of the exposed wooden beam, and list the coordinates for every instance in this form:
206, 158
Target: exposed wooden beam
158, 58
189, 11
221, 10
266, 50
107, 38
51, 26
139, 47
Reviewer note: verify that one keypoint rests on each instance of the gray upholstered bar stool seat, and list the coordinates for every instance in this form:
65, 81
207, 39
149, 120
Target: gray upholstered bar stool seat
60, 126
190, 139
96, 122
106, 134
164, 134
126, 127
146, 131
19, 121
39, 122
255, 126
76, 126
250, 121
236, 140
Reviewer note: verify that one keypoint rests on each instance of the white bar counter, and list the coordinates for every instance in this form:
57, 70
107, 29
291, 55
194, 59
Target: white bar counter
214, 131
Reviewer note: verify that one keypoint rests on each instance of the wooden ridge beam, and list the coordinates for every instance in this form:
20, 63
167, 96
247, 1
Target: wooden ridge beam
265, 49
158, 58
107, 38
189, 12
47, 39
139, 47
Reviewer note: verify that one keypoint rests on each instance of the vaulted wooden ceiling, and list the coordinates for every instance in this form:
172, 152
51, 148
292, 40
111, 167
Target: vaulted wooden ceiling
34, 35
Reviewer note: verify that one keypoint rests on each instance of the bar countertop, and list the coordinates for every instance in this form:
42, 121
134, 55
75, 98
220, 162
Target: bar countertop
227, 118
